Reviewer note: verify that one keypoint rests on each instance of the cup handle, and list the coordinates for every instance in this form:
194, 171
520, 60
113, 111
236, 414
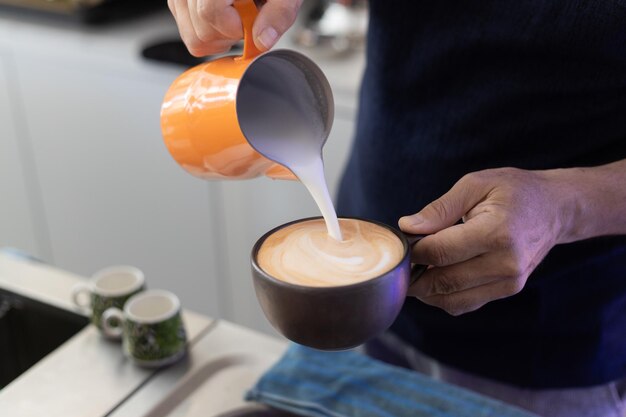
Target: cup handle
77, 296
416, 270
248, 12
111, 315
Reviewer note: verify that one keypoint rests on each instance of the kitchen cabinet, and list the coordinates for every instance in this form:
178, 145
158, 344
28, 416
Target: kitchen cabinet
17, 193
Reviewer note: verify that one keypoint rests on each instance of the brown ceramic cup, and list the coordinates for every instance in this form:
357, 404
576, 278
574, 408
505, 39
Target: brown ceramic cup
338, 317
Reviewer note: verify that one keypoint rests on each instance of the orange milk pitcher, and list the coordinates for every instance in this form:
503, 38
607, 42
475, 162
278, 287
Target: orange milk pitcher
214, 113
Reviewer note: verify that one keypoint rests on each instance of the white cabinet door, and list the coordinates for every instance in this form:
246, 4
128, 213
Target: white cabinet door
17, 217
111, 192
253, 207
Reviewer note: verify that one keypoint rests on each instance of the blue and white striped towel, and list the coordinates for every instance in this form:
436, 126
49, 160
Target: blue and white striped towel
313, 383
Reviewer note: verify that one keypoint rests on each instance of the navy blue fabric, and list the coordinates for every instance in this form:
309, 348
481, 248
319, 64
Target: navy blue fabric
313, 383
458, 86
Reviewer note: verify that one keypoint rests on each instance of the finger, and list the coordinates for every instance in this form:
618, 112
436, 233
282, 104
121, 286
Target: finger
275, 17
172, 6
454, 244
194, 44
463, 276
470, 300
447, 209
215, 20
185, 27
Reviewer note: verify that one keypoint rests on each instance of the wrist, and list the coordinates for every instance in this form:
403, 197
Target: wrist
568, 190
590, 201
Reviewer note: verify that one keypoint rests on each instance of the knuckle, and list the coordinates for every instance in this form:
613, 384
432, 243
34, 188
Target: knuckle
206, 34
437, 254
204, 11
195, 52
444, 284
509, 171
514, 287
456, 312
439, 208
203, 34
501, 172
446, 304
471, 178
511, 269
200, 48
462, 306
453, 307
477, 179
503, 239
195, 47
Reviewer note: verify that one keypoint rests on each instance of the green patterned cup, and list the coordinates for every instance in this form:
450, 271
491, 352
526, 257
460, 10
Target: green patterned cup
151, 328
109, 287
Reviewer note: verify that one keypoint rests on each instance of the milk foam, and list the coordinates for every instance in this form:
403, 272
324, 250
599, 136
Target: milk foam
304, 254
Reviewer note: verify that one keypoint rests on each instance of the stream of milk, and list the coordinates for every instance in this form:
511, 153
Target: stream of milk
310, 172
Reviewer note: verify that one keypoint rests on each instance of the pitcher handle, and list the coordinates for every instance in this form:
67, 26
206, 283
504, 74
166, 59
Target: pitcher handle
248, 12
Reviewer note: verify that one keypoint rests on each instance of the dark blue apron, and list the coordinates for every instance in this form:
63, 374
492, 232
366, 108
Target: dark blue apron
458, 86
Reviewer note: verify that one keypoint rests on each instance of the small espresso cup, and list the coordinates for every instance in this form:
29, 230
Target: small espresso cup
336, 317
151, 328
109, 287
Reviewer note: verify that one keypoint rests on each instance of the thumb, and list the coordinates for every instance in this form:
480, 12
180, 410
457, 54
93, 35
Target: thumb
444, 211
275, 17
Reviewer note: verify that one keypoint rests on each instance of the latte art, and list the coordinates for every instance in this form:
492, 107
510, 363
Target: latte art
304, 254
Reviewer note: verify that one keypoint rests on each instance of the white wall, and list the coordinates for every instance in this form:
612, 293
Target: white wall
17, 219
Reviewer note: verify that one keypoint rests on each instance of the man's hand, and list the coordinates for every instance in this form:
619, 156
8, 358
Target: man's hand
213, 26
511, 219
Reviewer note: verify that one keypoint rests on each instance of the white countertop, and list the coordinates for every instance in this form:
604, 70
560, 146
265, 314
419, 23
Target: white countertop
88, 372
38, 281
89, 376
223, 365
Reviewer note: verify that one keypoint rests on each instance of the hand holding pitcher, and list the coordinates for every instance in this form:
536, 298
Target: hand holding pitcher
211, 26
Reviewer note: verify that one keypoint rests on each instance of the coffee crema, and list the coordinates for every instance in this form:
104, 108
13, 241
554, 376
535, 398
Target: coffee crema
304, 254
